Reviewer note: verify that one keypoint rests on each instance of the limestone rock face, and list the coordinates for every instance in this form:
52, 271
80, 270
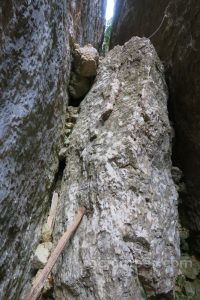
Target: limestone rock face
86, 20
35, 67
176, 25
118, 166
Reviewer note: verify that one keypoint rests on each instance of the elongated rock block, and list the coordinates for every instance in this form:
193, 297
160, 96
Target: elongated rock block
119, 167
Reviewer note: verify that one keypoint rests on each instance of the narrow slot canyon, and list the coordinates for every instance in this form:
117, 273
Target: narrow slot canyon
99, 111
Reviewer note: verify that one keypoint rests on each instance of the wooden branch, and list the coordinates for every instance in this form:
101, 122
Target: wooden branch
39, 283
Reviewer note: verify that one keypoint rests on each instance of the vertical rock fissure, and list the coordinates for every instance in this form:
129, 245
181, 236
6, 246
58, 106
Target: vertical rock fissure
188, 279
47, 239
84, 67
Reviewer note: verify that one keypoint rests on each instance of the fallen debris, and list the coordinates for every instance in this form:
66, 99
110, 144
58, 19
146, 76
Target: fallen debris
41, 255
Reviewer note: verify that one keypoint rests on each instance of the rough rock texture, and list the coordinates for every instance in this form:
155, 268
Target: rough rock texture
188, 282
177, 42
118, 166
85, 21
35, 66
79, 86
84, 68
41, 255
86, 60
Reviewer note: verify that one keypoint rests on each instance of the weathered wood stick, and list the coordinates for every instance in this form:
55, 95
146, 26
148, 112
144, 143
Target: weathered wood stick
39, 283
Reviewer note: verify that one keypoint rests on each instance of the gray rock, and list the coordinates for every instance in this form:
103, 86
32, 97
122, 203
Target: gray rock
72, 114
118, 165
86, 60
184, 233
79, 85
62, 153
176, 174
85, 63
41, 255
174, 27
35, 67
189, 267
46, 232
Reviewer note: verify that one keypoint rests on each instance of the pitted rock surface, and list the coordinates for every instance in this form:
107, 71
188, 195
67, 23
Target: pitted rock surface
84, 68
174, 27
86, 60
35, 67
118, 165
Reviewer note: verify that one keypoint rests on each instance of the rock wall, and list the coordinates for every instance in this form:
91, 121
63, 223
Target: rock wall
86, 21
118, 165
174, 27
35, 67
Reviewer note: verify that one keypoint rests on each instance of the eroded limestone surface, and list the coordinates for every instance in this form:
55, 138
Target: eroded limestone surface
35, 67
174, 27
118, 166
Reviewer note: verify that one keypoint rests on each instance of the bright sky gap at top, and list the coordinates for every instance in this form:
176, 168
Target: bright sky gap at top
109, 9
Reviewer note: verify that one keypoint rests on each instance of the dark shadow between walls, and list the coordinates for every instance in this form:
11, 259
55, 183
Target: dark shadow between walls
76, 102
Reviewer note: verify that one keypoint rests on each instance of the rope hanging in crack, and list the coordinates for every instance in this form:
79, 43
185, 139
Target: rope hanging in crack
165, 15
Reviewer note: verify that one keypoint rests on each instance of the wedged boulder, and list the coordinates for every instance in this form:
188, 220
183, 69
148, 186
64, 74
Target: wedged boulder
84, 68
118, 165
86, 60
